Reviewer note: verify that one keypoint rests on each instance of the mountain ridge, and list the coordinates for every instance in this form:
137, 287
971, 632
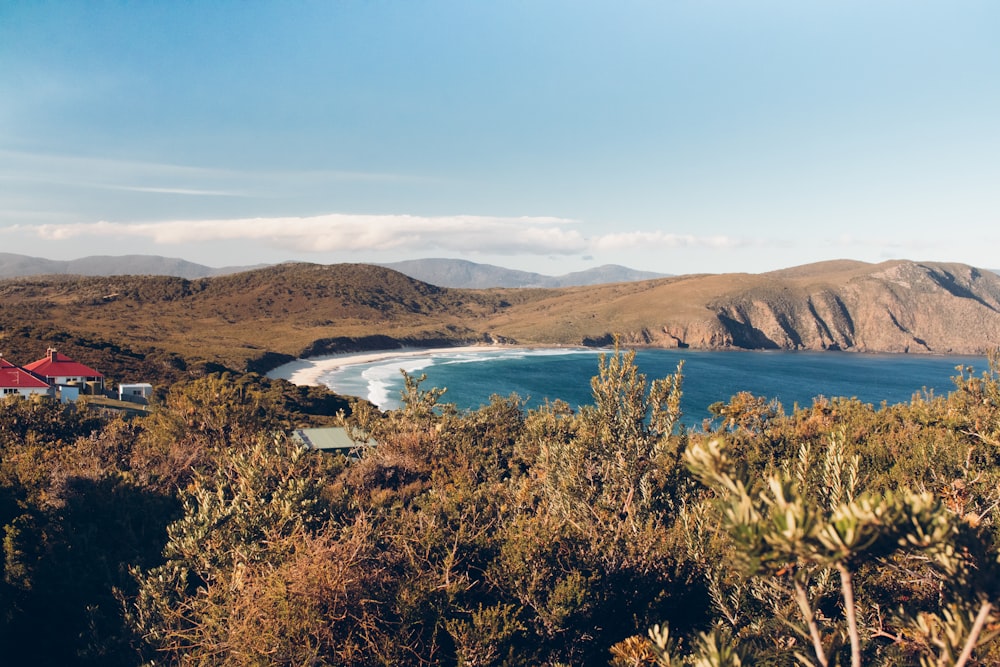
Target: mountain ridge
160, 326
22, 266
436, 271
471, 275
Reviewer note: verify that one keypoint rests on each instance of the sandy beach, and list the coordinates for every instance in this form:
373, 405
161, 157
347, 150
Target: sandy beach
308, 371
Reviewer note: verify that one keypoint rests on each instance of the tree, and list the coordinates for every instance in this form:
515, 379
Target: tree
256, 569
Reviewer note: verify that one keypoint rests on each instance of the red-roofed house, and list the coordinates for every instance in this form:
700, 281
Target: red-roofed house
58, 369
14, 380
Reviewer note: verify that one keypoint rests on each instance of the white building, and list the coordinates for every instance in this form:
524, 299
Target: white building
138, 392
17, 381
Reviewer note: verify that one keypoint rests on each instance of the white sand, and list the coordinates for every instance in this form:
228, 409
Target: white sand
308, 371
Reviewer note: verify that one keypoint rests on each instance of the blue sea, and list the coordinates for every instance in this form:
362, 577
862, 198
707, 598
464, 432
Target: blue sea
537, 375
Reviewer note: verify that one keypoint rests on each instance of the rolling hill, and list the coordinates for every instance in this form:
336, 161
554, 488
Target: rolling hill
441, 272
14, 266
160, 327
464, 274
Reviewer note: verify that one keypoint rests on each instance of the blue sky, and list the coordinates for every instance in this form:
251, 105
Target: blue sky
670, 135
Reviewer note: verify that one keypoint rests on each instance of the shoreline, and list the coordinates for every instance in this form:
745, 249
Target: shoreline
308, 371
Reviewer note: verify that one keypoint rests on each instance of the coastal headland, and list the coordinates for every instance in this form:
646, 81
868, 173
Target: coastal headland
161, 328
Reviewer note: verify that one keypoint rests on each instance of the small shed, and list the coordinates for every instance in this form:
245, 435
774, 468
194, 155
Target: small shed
68, 393
138, 392
333, 439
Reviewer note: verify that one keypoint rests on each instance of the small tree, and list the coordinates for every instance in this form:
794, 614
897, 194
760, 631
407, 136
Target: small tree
792, 538
602, 467
255, 571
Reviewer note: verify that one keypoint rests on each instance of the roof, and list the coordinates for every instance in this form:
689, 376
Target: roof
327, 439
55, 365
13, 377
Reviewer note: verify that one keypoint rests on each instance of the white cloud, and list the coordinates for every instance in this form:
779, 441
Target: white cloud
640, 239
164, 178
200, 192
488, 237
22, 165
340, 232
346, 232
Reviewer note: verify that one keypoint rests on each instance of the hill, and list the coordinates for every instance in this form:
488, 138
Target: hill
442, 272
162, 326
158, 327
464, 274
13, 266
897, 306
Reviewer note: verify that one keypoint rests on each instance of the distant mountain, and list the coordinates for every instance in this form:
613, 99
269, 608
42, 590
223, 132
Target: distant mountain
440, 272
470, 275
15, 266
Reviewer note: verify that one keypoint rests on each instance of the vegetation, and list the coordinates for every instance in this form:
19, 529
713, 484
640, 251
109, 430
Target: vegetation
839, 534
169, 329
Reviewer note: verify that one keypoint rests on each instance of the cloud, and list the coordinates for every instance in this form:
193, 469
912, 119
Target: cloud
346, 232
22, 165
200, 192
165, 178
644, 239
340, 232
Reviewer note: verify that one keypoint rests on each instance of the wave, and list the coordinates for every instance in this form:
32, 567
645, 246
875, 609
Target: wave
381, 382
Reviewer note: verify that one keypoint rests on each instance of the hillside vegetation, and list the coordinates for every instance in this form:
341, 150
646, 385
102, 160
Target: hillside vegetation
168, 328
837, 534
155, 325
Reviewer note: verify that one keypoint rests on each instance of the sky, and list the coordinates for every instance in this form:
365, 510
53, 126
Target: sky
676, 136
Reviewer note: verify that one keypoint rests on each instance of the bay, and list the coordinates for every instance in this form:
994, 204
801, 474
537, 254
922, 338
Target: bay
538, 375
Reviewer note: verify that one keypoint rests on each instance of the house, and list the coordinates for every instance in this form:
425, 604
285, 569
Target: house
59, 370
14, 380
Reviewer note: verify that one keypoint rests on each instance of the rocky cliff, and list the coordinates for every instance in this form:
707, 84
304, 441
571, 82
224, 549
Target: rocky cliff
892, 307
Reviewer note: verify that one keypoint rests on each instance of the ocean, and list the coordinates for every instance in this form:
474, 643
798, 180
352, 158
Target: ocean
537, 375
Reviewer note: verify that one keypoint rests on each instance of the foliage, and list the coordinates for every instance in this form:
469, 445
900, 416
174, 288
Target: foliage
252, 569
838, 533
793, 538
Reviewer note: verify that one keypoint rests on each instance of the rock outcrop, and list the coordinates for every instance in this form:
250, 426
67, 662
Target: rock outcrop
896, 306
891, 307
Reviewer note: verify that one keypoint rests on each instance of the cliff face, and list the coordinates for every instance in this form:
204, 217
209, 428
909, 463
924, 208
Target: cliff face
895, 307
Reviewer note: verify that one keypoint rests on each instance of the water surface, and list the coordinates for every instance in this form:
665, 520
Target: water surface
537, 375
